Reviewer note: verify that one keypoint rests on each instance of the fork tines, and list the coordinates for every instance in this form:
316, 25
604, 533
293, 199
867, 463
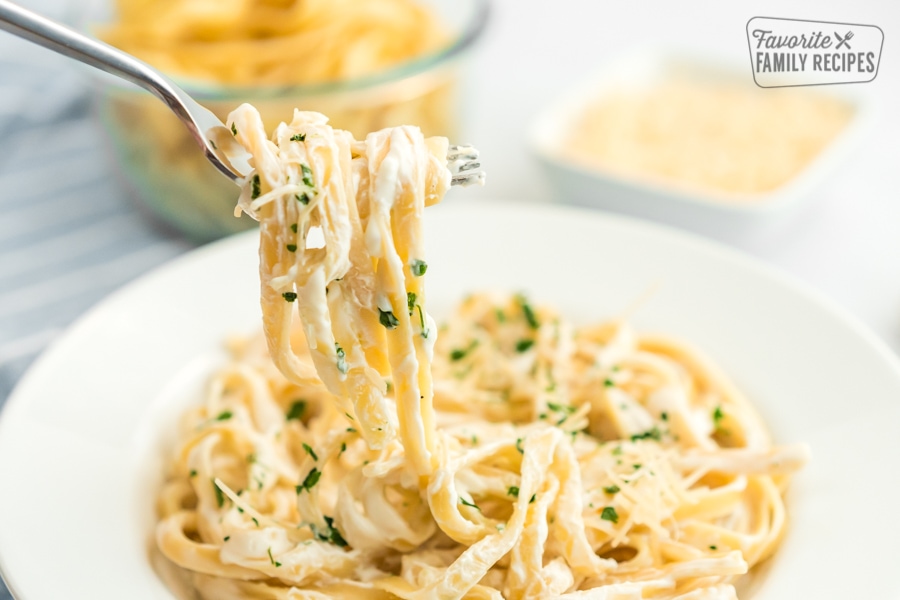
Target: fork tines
464, 166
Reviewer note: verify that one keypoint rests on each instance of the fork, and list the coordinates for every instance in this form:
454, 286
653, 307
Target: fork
215, 140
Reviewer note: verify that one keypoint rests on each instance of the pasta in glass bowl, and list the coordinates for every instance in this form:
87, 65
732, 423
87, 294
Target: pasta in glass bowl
368, 66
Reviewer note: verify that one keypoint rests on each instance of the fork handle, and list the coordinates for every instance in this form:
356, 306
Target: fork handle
54, 36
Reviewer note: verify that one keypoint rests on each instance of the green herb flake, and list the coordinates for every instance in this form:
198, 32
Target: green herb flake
713, 547
254, 187
220, 497
255, 521
611, 489
310, 482
271, 559
233, 129
307, 175
532, 499
609, 514
310, 451
617, 451
560, 407
460, 353
193, 473
501, 316
523, 345
224, 415
387, 318
295, 413
664, 416
291, 247
343, 448
303, 198
519, 446
465, 502
418, 267
226, 538
341, 360
298, 137
294, 227
528, 312
513, 491
289, 296
609, 382
425, 332
410, 302
717, 416
650, 434
330, 534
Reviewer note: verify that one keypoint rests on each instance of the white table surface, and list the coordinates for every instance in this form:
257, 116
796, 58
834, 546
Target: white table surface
845, 244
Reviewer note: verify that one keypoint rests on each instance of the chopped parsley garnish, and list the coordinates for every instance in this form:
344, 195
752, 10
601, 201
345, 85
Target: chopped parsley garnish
713, 547
425, 332
609, 382
717, 416
664, 416
220, 497
289, 296
233, 129
650, 434
532, 499
461, 353
350, 429
294, 227
560, 407
530, 317
213, 144
513, 491
307, 175
410, 302
341, 359
226, 538
224, 415
343, 448
519, 446
302, 198
418, 267
617, 451
330, 534
310, 451
271, 559
501, 316
387, 318
636, 466
193, 473
611, 489
254, 187
296, 411
291, 247
609, 514
465, 502
523, 345
298, 137
310, 482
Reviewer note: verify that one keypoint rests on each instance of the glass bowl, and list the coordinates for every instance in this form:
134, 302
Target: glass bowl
163, 169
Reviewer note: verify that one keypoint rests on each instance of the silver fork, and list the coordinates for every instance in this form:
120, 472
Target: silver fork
215, 140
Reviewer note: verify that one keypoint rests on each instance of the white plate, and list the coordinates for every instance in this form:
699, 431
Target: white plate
79, 438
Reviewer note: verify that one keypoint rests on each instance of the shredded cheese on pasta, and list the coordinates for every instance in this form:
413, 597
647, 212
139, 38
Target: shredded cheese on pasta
365, 453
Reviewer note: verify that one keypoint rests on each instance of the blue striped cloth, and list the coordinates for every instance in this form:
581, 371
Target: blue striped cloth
68, 233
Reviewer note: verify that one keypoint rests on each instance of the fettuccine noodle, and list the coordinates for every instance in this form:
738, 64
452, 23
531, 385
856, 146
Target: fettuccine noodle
281, 42
366, 453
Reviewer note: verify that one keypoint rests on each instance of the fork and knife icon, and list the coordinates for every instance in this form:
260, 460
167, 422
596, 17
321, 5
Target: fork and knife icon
843, 41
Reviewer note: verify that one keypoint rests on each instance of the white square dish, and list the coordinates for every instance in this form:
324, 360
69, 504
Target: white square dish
702, 210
